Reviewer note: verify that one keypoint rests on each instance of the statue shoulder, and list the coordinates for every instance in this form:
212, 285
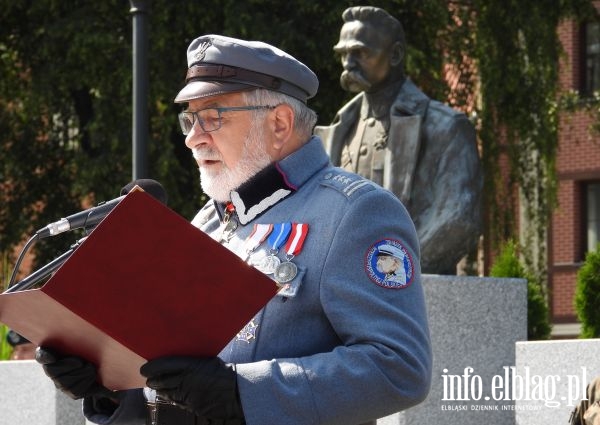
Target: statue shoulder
410, 100
350, 108
441, 108
413, 101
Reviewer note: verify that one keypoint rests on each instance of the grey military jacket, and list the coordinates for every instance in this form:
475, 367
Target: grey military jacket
431, 163
344, 342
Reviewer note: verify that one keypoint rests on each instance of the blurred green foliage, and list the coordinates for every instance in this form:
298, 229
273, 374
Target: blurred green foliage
5, 347
66, 88
587, 295
66, 93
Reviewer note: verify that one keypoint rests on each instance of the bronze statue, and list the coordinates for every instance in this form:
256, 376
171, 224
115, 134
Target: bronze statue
392, 133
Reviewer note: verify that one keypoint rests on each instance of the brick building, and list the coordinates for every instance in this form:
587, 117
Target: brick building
575, 225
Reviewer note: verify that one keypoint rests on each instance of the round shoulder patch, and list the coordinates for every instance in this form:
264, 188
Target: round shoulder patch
389, 264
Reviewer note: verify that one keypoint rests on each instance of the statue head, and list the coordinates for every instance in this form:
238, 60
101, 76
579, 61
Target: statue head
371, 49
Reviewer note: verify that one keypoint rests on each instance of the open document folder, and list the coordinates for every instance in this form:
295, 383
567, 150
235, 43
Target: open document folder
144, 284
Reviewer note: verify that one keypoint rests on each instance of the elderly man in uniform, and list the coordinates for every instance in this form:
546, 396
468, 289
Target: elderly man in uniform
339, 344
393, 134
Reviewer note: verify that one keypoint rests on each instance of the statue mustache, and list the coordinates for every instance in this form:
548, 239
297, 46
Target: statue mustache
350, 77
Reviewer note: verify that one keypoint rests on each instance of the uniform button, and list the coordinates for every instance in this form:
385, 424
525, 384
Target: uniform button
364, 150
371, 122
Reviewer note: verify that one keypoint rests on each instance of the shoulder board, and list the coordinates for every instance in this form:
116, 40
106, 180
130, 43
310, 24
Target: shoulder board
347, 183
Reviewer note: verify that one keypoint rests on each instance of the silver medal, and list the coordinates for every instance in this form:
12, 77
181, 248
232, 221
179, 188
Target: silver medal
268, 264
285, 272
228, 230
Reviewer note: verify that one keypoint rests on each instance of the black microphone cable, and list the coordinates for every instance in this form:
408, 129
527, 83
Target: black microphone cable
24, 250
36, 277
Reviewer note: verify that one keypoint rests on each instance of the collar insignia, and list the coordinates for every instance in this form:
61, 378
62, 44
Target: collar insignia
259, 194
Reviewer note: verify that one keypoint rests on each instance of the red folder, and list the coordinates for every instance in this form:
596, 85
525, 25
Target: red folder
144, 284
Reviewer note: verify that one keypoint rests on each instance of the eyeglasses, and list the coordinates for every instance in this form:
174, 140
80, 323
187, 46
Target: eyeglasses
210, 118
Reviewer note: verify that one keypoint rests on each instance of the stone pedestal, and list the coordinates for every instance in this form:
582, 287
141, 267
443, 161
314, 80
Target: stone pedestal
554, 375
28, 397
475, 323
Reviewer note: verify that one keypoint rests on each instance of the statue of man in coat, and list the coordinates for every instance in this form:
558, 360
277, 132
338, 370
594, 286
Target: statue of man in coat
392, 133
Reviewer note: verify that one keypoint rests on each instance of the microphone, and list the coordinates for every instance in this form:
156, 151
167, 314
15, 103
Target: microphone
151, 187
87, 218
94, 215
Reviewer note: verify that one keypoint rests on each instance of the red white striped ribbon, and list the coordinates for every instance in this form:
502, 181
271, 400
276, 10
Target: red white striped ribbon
296, 239
258, 236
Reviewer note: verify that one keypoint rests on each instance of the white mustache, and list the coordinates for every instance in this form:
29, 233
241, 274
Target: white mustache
205, 154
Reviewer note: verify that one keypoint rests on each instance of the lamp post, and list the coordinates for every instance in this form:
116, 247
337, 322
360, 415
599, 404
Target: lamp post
139, 10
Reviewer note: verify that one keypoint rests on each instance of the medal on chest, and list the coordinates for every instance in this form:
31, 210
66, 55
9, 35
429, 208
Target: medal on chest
260, 232
248, 333
286, 272
229, 224
279, 235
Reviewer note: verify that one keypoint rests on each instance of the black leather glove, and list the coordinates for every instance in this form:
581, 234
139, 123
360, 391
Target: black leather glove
204, 386
75, 377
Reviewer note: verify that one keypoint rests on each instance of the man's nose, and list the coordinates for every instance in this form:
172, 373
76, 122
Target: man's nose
196, 137
348, 61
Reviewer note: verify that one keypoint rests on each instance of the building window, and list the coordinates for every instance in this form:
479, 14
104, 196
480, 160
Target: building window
592, 215
590, 58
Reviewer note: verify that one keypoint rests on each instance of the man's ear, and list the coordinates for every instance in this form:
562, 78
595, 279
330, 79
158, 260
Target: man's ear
282, 124
396, 54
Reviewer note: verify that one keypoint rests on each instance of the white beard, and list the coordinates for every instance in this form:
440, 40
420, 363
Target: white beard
218, 184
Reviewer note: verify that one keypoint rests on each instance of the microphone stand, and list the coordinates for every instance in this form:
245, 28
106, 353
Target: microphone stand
43, 272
